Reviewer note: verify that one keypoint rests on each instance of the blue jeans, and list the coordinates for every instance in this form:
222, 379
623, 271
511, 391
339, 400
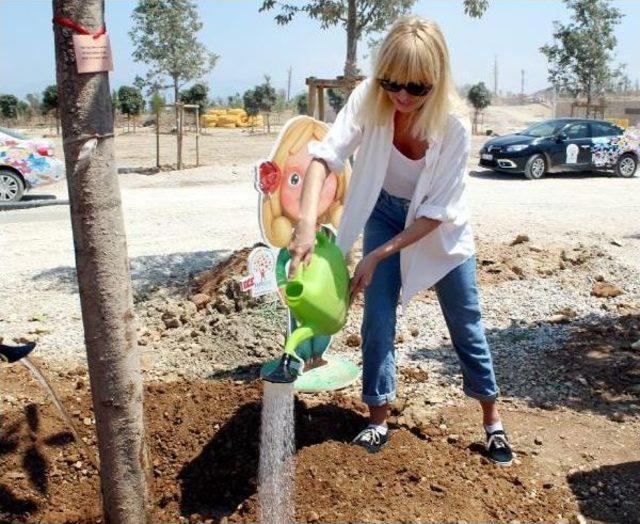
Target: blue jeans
458, 296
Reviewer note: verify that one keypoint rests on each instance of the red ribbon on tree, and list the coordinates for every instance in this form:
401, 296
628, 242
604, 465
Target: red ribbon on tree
67, 22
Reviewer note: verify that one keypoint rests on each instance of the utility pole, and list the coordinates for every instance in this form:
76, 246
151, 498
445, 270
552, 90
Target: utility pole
102, 267
289, 85
522, 86
495, 75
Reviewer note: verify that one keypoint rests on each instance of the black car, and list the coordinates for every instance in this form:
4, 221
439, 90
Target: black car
561, 145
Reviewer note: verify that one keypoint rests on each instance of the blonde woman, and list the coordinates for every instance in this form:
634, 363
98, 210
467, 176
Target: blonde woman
406, 192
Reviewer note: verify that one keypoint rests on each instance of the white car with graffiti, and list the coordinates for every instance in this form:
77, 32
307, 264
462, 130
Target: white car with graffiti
25, 163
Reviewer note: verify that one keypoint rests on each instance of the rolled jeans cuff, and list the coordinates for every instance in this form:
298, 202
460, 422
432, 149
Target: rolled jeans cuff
379, 400
480, 396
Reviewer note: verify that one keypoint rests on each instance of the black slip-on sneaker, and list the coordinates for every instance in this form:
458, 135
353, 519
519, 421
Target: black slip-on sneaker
371, 439
498, 448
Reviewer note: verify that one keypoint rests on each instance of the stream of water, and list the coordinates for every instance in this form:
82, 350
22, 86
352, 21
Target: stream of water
46, 386
276, 473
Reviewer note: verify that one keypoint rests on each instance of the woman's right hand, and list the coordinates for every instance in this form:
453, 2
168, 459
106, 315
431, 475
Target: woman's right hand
301, 245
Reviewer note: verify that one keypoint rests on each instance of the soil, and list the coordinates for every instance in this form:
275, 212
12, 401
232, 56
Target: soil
203, 440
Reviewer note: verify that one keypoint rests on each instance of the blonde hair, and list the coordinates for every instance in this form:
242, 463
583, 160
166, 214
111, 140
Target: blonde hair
296, 134
414, 51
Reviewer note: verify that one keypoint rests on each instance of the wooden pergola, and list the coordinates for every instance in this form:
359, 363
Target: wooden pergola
597, 109
317, 87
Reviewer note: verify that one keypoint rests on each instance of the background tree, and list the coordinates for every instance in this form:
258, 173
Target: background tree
131, 103
35, 102
336, 98
115, 103
9, 106
480, 97
157, 102
581, 57
250, 102
235, 101
50, 103
197, 94
251, 105
164, 37
281, 101
358, 17
102, 267
266, 97
301, 102
24, 109
262, 98
50, 98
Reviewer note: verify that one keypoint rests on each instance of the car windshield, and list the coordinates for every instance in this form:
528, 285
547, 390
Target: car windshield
548, 128
13, 134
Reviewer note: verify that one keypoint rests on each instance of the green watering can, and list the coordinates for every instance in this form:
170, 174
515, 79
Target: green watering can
318, 297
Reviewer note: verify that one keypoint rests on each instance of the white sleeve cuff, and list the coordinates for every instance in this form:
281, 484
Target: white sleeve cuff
318, 149
439, 213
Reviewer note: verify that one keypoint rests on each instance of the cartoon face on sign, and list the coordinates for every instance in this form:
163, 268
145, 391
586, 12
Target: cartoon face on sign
291, 188
280, 180
572, 154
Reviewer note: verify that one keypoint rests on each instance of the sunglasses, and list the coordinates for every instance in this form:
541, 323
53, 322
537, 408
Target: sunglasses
411, 88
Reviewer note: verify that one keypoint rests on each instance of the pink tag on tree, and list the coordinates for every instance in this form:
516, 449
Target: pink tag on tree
93, 55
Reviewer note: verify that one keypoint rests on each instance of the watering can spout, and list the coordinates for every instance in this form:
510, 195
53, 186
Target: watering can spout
297, 337
290, 365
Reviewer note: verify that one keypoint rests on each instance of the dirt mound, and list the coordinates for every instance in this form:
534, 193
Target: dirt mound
523, 260
203, 439
211, 325
211, 281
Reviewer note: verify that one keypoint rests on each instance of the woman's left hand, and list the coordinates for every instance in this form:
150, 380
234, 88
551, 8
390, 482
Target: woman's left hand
363, 274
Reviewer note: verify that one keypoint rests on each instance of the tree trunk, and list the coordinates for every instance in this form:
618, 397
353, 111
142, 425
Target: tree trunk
351, 64
178, 126
589, 83
103, 273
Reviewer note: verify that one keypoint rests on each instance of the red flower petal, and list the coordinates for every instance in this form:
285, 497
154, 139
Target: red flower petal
269, 177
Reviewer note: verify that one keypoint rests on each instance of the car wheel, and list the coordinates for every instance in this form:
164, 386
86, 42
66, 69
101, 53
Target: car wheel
535, 167
626, 166
11, 186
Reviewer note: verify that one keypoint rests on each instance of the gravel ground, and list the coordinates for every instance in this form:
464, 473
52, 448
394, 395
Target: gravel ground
180, 223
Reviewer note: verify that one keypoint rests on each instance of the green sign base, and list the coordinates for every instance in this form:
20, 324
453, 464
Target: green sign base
337, 373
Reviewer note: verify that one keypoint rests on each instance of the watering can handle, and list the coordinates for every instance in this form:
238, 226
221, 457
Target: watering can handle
281, 274
284, 256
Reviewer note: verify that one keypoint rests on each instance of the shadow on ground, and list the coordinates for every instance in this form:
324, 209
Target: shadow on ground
609, 493
146, 271
36, 196
33, 464
490, 174
224, 474
587, 364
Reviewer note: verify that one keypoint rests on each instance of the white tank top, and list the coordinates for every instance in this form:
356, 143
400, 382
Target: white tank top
402, 174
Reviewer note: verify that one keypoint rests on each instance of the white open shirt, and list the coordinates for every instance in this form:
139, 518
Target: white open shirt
438, 193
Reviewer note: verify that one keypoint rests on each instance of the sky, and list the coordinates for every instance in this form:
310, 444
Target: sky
251, 44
